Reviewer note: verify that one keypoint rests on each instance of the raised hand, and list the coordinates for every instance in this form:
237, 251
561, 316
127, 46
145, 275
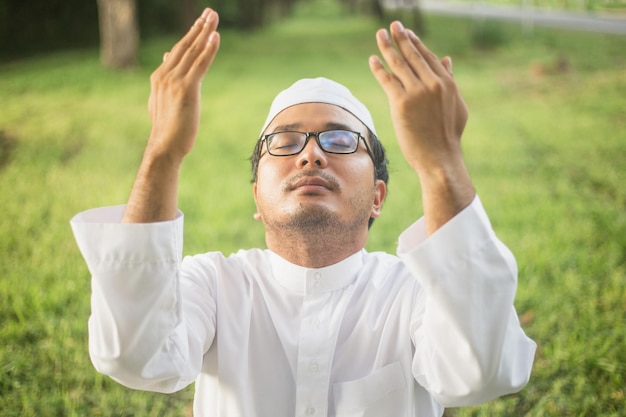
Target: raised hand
427, 110
429, 116
174, 103
174, 107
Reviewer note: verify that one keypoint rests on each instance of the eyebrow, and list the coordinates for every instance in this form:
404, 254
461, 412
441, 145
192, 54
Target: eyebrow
298, 127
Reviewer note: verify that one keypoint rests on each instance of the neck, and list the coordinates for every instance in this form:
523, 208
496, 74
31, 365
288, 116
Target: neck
315, 248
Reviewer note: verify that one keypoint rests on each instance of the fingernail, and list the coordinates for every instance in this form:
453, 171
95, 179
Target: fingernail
398, 25
384, 34
213, 37
413, 35
205, 13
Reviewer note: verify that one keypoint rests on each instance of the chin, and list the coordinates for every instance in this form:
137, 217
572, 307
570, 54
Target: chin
305, 217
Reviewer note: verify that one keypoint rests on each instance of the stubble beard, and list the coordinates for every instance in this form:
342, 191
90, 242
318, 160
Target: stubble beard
316, 222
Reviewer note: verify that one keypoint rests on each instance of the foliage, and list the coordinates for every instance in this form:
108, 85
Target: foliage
545, 145
39, 25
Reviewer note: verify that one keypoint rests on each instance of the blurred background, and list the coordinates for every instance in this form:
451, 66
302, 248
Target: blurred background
545, 82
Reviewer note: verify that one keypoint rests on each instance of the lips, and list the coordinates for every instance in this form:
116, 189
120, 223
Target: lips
313, 181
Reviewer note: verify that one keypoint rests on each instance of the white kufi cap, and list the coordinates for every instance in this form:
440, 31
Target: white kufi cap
319, 90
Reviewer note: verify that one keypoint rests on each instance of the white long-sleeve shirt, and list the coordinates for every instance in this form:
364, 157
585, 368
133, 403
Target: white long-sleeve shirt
373, 335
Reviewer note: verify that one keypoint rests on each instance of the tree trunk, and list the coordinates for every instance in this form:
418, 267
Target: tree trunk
419, 25
285, 7
119, 33
251, 14
188, 12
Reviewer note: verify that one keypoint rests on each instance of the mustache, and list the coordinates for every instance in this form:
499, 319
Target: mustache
333, 184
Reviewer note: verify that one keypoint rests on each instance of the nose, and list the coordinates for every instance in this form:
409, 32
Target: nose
312, 156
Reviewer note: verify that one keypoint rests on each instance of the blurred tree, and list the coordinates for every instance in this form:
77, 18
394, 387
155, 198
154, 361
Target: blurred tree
188, 11
119, 33
251, 13
371, 7
34, 26
398, 9
408, 11
285, 7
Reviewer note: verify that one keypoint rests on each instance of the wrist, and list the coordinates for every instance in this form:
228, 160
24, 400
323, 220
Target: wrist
159, 159
446, 191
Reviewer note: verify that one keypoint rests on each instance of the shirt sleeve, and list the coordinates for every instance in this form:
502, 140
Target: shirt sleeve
139, 330
469, 346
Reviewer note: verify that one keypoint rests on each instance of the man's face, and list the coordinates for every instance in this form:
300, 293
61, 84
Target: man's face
315, 188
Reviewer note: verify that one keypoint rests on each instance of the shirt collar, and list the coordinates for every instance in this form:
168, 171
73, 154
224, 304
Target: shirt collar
316, 280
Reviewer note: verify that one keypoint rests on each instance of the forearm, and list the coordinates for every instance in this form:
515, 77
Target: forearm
446, 191
154, 196
175, 112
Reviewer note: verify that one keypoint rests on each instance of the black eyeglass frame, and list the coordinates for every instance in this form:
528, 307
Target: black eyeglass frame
317, 139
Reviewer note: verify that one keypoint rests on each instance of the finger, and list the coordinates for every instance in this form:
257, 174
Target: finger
389, 83
447, 63
202, 64
397, 64
211, 18
418, 63
198, 47
180, 48
177, 51
428, 56
165, 55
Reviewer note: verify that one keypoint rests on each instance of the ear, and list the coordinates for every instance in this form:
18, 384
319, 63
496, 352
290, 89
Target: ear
380, 192
256, 215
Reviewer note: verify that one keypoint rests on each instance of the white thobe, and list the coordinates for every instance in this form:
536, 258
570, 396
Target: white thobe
373, 335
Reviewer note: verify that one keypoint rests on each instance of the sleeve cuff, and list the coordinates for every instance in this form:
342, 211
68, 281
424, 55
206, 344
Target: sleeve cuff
470, 221
102, 238
464, 243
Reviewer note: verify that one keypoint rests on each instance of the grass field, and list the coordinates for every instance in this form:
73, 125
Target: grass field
546, 145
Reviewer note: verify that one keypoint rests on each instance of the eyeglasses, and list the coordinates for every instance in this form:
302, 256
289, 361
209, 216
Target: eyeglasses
330, 141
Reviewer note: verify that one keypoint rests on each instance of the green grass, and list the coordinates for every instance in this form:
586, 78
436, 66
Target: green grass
545, 143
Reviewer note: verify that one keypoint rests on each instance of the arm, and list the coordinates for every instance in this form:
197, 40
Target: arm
152, 318
140, 332
174, 107
429, 116
469, 345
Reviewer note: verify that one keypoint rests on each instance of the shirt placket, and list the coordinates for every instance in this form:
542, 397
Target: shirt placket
315, 348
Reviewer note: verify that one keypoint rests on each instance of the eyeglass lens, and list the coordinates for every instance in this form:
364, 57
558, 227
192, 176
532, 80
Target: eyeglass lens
333, 141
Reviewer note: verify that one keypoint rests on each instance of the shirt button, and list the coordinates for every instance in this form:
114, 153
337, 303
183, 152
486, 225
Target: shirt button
314, 367
317, 276
310, 411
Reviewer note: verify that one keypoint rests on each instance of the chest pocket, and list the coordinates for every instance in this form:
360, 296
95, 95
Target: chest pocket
381, 394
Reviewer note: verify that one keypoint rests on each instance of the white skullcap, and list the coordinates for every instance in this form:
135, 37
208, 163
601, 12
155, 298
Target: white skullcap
319, 90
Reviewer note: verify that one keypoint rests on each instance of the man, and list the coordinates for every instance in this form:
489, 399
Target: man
314, 325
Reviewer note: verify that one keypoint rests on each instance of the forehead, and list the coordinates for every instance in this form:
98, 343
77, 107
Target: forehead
314, 117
